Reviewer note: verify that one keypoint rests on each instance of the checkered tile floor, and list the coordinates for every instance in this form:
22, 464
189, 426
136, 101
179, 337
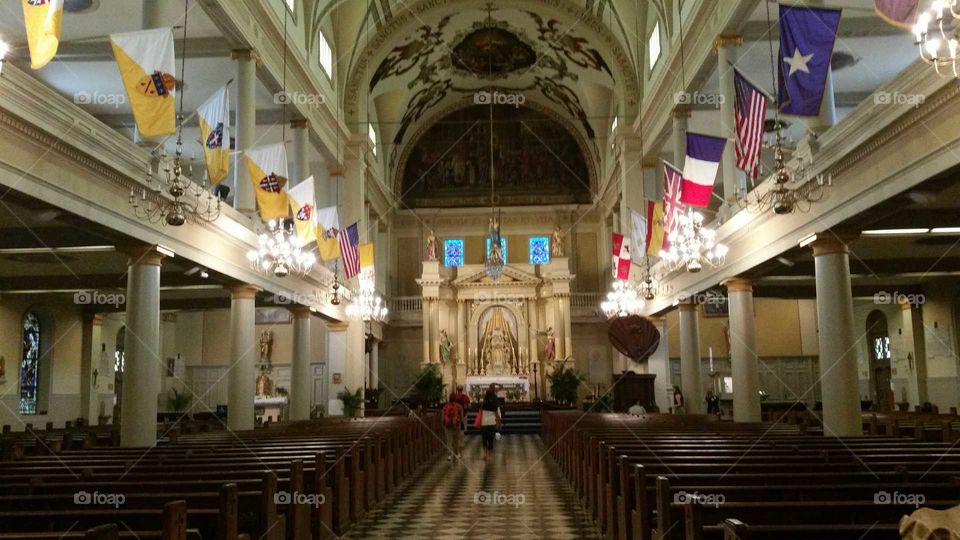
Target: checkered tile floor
527, 499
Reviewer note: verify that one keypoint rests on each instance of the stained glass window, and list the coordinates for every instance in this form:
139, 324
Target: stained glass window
453, 252
539, 250
881, 348
30, 364
503, 245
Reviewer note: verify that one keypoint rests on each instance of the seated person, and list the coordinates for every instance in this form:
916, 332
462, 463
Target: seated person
637, 409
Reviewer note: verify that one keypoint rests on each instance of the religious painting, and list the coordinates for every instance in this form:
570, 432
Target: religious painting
535, 161
272, 315
715, 305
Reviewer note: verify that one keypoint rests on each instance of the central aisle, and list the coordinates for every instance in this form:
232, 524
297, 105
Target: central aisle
527, 498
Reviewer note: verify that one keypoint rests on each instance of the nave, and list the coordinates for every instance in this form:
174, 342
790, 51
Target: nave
521, 494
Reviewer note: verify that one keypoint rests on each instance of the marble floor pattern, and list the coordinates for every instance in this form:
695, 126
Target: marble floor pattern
521, 494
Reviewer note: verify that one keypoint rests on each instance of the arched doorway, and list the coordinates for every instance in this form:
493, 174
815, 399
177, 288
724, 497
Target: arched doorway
878, 339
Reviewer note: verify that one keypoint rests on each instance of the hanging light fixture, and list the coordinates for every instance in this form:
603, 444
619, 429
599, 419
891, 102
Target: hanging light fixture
622, 301
651, 285
937, 31
493, 263
792, 189
366, 305
279, 252
176, 198
693, 245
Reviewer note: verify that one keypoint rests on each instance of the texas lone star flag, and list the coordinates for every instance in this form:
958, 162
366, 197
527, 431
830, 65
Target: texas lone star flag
267, 166
621, 257
42, 20
146, 63
807, 36
214, 117
700, 168
304, 209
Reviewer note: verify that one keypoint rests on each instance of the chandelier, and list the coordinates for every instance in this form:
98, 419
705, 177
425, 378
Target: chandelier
650, 285
937, 31
693, 245
279, 252
789, 192
622, 301
367, 305
183, 199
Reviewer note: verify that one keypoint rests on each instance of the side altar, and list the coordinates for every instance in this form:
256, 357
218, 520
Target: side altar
508, 330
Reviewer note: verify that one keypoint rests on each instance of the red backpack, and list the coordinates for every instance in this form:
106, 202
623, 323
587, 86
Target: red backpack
451, 414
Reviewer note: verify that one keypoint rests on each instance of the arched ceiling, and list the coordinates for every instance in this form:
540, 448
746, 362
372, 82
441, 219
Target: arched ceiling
435, 55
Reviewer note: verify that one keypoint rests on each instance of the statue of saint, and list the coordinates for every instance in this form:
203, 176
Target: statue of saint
264, 384
556, 243
445, 347
266, 346
431, 247
493, 231
550, 347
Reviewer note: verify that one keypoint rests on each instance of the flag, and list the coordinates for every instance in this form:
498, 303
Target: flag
267, 166
366, 263
350, 250
328, 227
749, 110
42, 20
621, 257
656, 237
214, 118
303, 206
639, 222
807, 36
902, 13
700, 168
672, 205
146, 62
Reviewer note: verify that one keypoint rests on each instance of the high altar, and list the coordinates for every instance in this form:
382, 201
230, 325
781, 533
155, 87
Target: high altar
480, 330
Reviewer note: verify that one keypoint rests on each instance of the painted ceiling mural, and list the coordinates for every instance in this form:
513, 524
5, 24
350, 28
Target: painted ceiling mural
536, 160
501, 54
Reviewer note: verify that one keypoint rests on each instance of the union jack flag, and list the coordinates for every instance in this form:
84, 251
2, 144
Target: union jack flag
672, 207
215, 140
749, 110
272, 183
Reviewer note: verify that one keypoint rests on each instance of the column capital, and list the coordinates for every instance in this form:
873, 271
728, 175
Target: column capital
729, 40
682, 112
337, 326
738, 284
299, 312
657, 321
830, 243
649, 163
298, 123
239, 291
143, 254
245, 54
688, 305
95, 319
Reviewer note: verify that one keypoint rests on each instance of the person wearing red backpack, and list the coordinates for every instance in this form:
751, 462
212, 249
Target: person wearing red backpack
464, 400
453, 418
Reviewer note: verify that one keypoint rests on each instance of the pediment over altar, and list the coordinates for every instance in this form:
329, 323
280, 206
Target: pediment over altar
511, 276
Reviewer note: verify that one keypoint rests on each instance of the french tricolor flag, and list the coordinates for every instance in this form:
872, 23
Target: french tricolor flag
700, 168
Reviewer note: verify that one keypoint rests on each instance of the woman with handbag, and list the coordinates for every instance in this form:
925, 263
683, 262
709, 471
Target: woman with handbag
488, 420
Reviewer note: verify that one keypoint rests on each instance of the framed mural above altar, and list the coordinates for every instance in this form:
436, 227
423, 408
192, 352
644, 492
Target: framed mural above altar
536, 161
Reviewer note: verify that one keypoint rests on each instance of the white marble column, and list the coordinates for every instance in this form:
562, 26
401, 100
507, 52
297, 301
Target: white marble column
912, 345
241, 373
244, 198
567, 326
690, 380
743, 351
838, 343
461, 331
726, 58
141, 346
89, 362
659, 365
533, 349
301, 376
678, 135
375, 364
426, 308
435, 331
301, 151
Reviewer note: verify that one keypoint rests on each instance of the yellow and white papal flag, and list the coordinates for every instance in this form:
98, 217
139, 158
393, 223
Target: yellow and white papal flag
366, 263
328, 230
214, 118
267, 166
146, 63
42, 19
304, 208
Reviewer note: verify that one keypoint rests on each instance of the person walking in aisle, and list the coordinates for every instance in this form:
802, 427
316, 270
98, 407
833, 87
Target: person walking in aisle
488, 420
452, 416
464, 400
678, 406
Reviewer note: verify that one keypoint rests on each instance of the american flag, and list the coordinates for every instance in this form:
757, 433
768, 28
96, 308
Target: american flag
350, 250
749, 111
672, 207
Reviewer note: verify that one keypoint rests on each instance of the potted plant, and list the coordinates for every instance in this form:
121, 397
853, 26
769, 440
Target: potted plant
429, 386
564, 383
351, 401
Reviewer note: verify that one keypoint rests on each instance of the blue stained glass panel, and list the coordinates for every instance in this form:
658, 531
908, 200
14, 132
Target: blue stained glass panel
453, 252
503, 245
539, 250
30, 364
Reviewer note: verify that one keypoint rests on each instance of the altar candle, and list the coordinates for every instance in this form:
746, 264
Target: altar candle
711, 358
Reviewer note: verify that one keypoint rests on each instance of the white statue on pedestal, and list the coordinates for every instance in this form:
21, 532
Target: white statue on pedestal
556, 243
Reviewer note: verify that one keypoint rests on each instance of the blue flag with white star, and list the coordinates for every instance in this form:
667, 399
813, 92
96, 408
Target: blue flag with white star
807, 36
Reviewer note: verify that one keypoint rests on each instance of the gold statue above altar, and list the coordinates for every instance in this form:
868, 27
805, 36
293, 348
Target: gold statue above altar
498, 352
